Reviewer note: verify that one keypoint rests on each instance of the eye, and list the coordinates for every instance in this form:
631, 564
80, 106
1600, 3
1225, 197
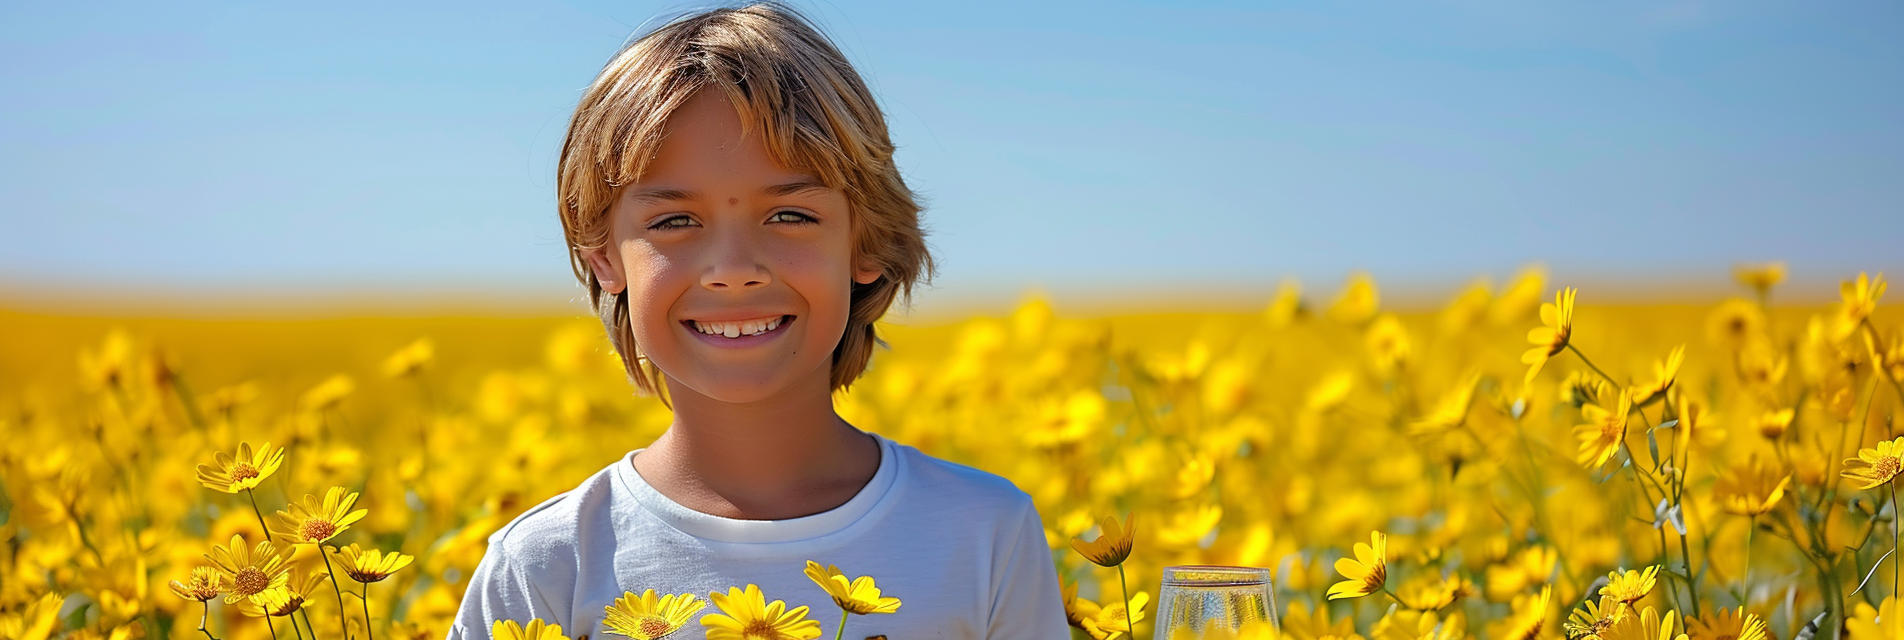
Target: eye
791, 216
676, 221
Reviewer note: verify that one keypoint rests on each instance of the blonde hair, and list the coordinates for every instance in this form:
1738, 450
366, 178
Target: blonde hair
815, 114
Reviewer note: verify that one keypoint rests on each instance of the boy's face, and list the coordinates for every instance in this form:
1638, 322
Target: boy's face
738, 270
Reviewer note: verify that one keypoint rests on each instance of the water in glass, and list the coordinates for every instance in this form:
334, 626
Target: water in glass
1202, 601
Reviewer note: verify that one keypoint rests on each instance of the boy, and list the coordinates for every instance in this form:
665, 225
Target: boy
731, 203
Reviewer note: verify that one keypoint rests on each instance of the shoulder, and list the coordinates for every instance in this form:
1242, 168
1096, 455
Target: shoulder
549, 533
950, 484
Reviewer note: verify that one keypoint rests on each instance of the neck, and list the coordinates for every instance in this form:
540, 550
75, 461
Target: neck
785, 456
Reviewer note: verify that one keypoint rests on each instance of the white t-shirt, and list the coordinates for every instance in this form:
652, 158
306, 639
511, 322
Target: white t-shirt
963, 550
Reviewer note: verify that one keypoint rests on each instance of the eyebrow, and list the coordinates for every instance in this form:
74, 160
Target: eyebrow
682, 195
661, 195
797, 186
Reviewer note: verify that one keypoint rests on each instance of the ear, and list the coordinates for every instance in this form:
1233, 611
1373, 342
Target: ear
607, 268
865, 275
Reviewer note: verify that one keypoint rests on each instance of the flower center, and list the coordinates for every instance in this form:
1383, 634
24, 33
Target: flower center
202, 587
249, 581
243, 471
760, 629
317, 530
289, 606
1886, 468
653, 626
1376, 577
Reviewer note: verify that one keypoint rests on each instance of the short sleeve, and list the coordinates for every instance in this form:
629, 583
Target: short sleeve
1026, 603
499, 589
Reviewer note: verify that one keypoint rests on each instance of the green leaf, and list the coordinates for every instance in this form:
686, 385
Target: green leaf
1652, 448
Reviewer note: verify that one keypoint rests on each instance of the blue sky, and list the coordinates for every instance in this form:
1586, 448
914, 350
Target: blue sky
1088, 149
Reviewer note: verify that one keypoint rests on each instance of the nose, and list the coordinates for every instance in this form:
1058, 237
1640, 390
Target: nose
735, 264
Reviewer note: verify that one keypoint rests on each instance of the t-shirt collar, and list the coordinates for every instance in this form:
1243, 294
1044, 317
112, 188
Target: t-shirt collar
716, 528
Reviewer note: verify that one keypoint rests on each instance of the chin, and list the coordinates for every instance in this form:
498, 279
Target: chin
732, 387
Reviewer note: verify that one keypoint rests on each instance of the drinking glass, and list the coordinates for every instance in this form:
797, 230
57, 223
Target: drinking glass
1200, 601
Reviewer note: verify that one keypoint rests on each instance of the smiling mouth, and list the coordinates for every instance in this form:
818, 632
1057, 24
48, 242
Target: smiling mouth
738, 329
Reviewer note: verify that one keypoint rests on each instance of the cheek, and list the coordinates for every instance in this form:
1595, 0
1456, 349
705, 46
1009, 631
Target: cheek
654, 282
818, 271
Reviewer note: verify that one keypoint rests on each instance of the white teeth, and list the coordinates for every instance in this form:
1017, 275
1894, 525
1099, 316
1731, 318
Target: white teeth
737, 329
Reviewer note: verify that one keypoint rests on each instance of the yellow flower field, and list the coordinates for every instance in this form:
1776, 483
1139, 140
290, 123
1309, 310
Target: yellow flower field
1525, 462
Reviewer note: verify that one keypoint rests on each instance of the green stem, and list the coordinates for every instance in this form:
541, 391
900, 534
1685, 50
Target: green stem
184, 395
371, 635
273, 627
202, 617
1129, 625
259, 512
1590, 365
335, 589
1872, 333
1745, 577
1685, 555
1895, 533
1537, 496
842, 632
294, 627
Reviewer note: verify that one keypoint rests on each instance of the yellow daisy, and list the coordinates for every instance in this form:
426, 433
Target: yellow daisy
1260, 630
536, 630
1073, 607
1886, 622
1432, 592
1876, 466
1760, 277
410, 359
1594, 618
1886, 353
287, 599
312, 522
1734, 322
648, 616
1603, 432
1303, 622
1772, 424
1628, 587
234, 474
1664, 372
1860, 299
205, 584
248, 571
1359, 301
1452, 410
1366, 573
746, 615
859, 596
1110, 621
369, 566
35, 619
1697, 423
1550, 339
1648, 625
1752, 488
1529, 615
1114, 542
1581, 388
1727, 624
